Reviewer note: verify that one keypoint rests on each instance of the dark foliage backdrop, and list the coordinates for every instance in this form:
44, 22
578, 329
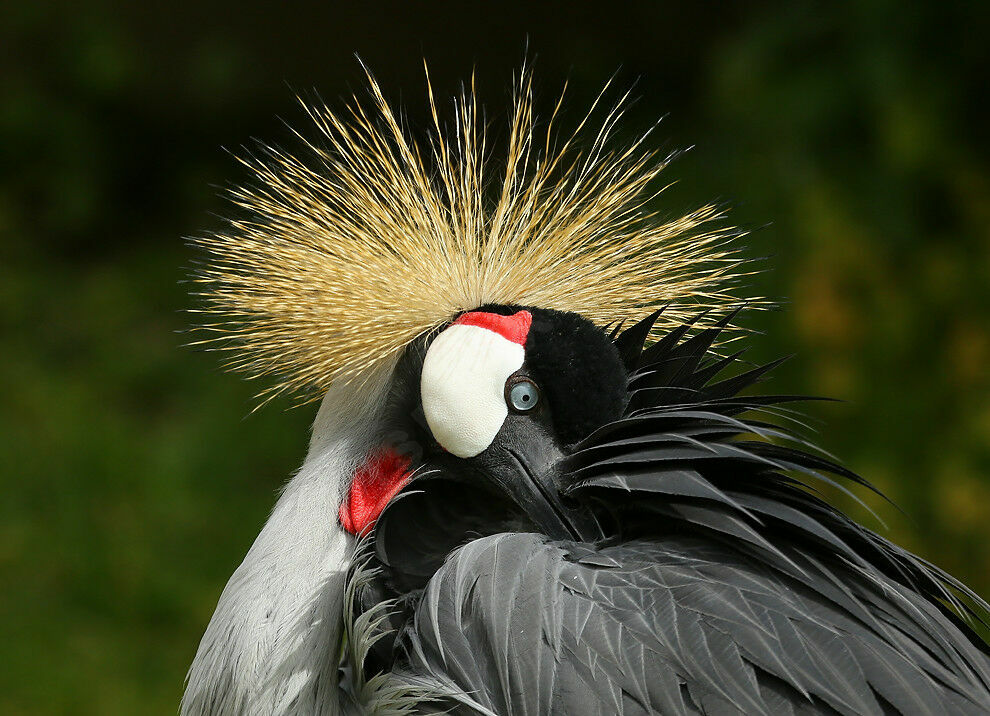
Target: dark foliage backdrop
134, 477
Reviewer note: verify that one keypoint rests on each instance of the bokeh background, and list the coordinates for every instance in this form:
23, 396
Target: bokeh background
853, 137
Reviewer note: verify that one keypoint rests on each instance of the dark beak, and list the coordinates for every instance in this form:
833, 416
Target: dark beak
523, 463
514, 485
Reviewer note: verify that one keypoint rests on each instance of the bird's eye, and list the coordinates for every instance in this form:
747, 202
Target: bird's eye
523, 395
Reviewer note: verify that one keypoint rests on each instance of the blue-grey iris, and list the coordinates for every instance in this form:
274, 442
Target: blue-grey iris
524, 395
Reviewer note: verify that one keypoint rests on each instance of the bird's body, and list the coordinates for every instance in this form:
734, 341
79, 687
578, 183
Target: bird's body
676, 626
270, 647
508, 509
715, 587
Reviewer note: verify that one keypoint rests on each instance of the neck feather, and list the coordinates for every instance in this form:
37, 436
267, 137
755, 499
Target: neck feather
273, 641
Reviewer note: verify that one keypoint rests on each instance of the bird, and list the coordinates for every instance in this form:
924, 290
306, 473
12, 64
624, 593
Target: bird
541, 478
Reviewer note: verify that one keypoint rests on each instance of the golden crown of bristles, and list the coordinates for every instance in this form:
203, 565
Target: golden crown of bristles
372, 239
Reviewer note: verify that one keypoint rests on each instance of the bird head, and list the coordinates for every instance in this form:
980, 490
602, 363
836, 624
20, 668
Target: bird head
476, 295
485, 410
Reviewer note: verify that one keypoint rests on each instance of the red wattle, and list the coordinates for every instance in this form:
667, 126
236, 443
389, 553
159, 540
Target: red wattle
513, 328
376, 482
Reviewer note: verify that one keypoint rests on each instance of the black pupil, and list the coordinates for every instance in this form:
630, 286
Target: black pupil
523, 396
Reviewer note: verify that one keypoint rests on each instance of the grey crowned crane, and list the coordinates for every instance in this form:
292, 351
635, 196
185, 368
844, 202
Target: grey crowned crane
537, 482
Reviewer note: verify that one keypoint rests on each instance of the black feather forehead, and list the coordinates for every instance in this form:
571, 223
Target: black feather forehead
577, 366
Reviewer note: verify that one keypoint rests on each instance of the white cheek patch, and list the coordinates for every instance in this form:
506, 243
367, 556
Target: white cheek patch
463, 387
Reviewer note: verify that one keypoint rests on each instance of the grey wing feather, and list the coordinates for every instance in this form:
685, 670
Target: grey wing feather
681, 626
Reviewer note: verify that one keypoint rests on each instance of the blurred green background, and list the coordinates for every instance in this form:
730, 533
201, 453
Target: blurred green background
853, 135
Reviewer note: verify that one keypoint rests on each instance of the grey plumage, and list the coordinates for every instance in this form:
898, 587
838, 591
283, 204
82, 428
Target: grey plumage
686, 626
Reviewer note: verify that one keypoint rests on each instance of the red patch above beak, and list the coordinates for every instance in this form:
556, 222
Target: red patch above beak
514, 328
376, 482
